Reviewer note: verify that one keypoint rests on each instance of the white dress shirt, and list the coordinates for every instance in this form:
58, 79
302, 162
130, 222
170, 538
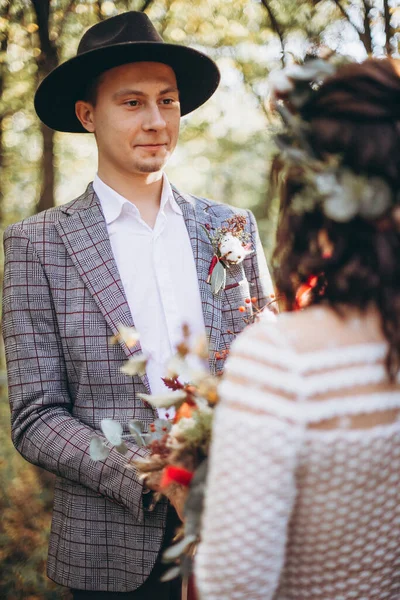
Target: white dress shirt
158, 272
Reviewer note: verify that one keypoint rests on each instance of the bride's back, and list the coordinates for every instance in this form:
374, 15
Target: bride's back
343, 537
305, 467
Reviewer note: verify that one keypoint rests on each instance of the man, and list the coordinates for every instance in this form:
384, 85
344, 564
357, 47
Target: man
132, 251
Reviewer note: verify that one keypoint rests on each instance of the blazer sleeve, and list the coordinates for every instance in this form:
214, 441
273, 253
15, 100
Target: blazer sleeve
43, 428
259, 277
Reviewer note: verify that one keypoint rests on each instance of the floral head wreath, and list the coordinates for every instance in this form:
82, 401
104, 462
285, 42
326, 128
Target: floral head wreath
340, 193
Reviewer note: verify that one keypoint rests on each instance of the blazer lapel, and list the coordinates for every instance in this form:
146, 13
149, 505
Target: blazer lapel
84, 234
196, 217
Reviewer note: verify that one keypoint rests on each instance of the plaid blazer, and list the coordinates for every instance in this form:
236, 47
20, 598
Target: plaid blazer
63, 299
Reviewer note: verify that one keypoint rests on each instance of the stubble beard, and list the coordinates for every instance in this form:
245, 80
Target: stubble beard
150, 166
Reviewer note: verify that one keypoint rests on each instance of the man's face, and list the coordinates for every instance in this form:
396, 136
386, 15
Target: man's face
135, 117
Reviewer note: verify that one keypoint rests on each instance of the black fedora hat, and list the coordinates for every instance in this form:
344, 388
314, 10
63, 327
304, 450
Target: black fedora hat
125, 38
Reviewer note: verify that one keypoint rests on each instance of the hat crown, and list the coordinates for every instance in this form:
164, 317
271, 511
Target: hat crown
132, 26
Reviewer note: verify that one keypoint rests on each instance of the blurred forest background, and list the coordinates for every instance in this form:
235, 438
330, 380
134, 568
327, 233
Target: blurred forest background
224, 153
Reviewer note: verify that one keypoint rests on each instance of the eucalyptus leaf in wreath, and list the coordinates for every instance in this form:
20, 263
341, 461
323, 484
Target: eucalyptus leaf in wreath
218, 278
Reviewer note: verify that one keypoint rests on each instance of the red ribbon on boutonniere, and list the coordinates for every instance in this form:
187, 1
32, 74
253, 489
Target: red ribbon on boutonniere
213, 262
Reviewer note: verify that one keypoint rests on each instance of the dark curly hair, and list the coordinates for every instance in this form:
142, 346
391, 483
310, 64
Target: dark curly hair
356, 114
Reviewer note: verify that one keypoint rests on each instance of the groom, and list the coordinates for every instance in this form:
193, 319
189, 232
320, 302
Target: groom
130, 250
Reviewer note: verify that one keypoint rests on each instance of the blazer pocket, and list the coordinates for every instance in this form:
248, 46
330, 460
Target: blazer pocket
235, 294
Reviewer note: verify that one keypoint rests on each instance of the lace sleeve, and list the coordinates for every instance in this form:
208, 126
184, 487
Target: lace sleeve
251, 486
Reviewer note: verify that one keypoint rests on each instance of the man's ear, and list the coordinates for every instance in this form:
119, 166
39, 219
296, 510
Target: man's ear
84, 112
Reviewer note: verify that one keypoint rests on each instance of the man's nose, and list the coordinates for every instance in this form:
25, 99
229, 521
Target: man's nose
153, 118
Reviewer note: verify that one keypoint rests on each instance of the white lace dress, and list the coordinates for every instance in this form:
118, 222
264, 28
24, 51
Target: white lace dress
303, 500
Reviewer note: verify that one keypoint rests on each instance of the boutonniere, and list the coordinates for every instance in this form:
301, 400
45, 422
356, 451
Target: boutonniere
231, 246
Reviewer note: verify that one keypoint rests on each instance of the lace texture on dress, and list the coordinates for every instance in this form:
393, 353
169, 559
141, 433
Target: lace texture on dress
304, 481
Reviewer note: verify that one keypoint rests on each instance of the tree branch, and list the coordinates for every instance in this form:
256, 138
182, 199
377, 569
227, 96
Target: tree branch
146, 5
48, 57
366, 36
42, 11
277, 28
389, 30
100, 15
347, 16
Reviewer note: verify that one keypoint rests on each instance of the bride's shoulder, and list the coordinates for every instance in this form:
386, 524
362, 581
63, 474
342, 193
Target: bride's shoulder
292, 331
268, 331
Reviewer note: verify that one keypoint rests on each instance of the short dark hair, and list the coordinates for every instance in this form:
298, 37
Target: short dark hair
91, 89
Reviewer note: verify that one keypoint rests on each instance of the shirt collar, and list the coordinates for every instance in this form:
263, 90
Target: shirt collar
112, 203
168, 198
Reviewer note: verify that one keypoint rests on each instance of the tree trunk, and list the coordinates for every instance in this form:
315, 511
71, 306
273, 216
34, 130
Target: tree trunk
366, 37
47, 61
1, 152
46, 199
3, 50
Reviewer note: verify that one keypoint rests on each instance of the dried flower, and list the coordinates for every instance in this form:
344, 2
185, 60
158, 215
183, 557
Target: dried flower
135, 365
164, 400
129, 335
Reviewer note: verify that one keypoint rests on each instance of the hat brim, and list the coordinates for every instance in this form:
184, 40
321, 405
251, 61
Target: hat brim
197, 78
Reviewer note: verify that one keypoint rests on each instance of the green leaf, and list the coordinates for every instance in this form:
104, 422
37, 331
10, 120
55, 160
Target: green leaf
112, 430
136, 430
171, 574
218, 278
174, 552
135, 425
97, 449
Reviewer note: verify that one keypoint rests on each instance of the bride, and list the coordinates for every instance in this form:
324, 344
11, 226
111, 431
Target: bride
304, 483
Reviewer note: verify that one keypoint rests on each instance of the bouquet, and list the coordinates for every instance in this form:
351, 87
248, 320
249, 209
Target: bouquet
179, 446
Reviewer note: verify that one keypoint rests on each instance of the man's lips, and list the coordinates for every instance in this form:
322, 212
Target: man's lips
150, 146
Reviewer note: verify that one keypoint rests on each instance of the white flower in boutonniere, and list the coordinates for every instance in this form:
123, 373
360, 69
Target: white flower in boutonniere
232, 249
231, 246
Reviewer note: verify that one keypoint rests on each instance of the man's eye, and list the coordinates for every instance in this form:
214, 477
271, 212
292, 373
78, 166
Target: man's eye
132, 103
168, 100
